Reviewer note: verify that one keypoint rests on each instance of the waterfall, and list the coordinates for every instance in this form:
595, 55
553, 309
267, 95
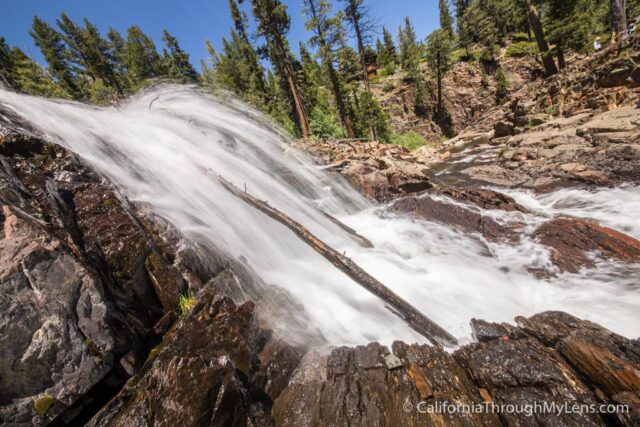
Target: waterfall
166, 146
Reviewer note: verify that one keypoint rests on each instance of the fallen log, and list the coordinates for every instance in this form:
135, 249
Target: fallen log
418, 321
361, 240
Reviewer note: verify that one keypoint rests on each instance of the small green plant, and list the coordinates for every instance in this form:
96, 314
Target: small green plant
43, 404
502, 87
411, 140
387, 70
388, 87
520, 37
521, 48
464, 55
186, 303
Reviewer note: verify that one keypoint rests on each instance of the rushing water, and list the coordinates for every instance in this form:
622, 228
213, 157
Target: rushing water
166, 147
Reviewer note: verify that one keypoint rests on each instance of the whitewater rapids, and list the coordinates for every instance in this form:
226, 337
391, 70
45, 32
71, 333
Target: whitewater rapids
166, 146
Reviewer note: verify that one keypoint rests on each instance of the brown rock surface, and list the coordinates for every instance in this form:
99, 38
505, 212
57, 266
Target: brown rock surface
571, 240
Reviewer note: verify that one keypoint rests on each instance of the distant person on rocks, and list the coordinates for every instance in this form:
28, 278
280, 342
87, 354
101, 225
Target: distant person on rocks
597, 45
632, 28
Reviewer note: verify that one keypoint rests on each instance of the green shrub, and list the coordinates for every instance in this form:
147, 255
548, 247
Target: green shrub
186, 303
325, 124
462, 55
43, 404
388, 70
502, 87
522, 48
520, 37
388, 87
411, 140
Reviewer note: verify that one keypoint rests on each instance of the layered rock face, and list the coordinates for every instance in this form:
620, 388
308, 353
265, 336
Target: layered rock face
85, 278
550, 358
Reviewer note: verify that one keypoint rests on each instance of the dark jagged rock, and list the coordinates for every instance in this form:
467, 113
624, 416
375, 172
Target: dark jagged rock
83, 284
608, 361
208, 370
484, 331
524, 372
571, 240
354, 386
548, 359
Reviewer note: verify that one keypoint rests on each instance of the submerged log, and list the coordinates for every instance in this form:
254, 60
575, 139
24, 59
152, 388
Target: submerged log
361, 240
418, 321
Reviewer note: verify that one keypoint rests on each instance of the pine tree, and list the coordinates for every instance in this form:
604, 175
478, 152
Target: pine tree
273, 24
410, 50
481, 28
210, 66
371, 115
6, 65
30, 78
359, 16
142, 59
50, 43
177, 60
387, 57
90, 53
118, 51
543, 46
328, 35
446, 22
278, 103
438, 51
568, 24
389, 46
310, 78
251, 58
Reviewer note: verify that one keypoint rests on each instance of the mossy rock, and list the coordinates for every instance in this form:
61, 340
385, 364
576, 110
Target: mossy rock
43, 404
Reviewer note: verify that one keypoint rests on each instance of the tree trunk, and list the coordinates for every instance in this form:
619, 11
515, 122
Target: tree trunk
363, 60
363, 57
287, 68
618, 14
439, 78
333, 77
342, 109
561, 61
534, 19
418, 321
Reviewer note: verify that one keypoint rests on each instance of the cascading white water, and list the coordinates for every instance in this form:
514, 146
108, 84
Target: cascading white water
166, 146
617, 208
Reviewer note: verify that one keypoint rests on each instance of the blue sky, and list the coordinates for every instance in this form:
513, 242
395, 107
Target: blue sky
190, 21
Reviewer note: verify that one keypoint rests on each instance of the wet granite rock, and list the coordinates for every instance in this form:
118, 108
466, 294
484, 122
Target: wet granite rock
484, 331
531, 374
433, 209
353, 386
608, 361
524, 372
571, 241
208, 370
484, 198
80, 302
55, 338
